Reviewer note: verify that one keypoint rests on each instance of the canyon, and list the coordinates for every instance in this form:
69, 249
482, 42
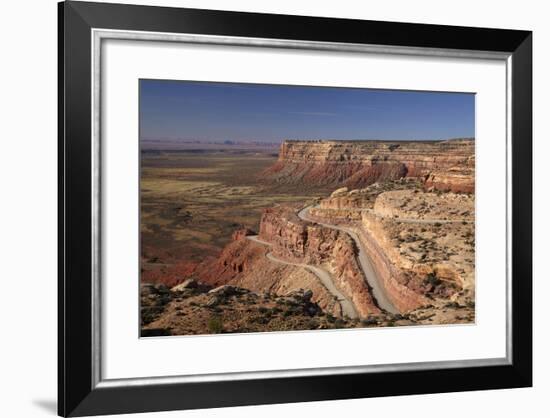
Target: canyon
381, 233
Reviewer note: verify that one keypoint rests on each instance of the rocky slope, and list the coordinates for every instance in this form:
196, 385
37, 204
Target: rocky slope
296, 240
194, 308
244, 263
444, 165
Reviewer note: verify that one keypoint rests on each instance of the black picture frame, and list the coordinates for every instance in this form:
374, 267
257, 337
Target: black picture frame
77, 393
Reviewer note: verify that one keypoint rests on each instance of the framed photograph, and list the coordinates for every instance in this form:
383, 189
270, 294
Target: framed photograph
265, 208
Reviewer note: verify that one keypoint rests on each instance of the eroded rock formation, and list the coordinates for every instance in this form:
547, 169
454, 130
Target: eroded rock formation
244, 263
446, 165
314, 244
421, 244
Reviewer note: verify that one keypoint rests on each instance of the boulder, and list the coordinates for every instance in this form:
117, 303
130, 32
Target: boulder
228, 290
339, 192
153, 289
186, 284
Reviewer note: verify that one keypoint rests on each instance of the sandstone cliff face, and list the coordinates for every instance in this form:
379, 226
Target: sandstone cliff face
394, 280
361, 163
344, 199
421, 244
444, 268
455, 179
404, 293
299, 241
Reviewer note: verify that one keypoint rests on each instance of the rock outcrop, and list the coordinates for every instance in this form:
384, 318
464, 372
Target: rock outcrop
231, 309
244, 263
421, 244
446, 165
236, 258
241, 233
454, 179
396, 282
299, 241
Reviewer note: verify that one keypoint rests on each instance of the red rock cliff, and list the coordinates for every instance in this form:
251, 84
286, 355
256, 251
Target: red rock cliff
360, 163
303, 242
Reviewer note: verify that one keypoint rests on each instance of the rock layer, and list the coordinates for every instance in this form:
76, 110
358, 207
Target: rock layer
244, 263
398, 285
445, 165
296, 240
421, 244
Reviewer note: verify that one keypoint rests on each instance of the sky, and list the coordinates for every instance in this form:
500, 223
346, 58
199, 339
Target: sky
211, 111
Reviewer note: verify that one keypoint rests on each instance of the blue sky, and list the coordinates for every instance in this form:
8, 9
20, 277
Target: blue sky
261, 112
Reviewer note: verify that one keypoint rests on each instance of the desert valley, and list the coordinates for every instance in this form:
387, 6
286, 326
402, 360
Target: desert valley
307, 235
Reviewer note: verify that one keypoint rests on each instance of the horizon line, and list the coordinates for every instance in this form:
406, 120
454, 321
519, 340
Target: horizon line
257, 141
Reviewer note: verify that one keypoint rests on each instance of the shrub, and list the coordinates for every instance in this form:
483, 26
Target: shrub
312, 324
339, 323
432, 279
369, 321
262, 320
215, 325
